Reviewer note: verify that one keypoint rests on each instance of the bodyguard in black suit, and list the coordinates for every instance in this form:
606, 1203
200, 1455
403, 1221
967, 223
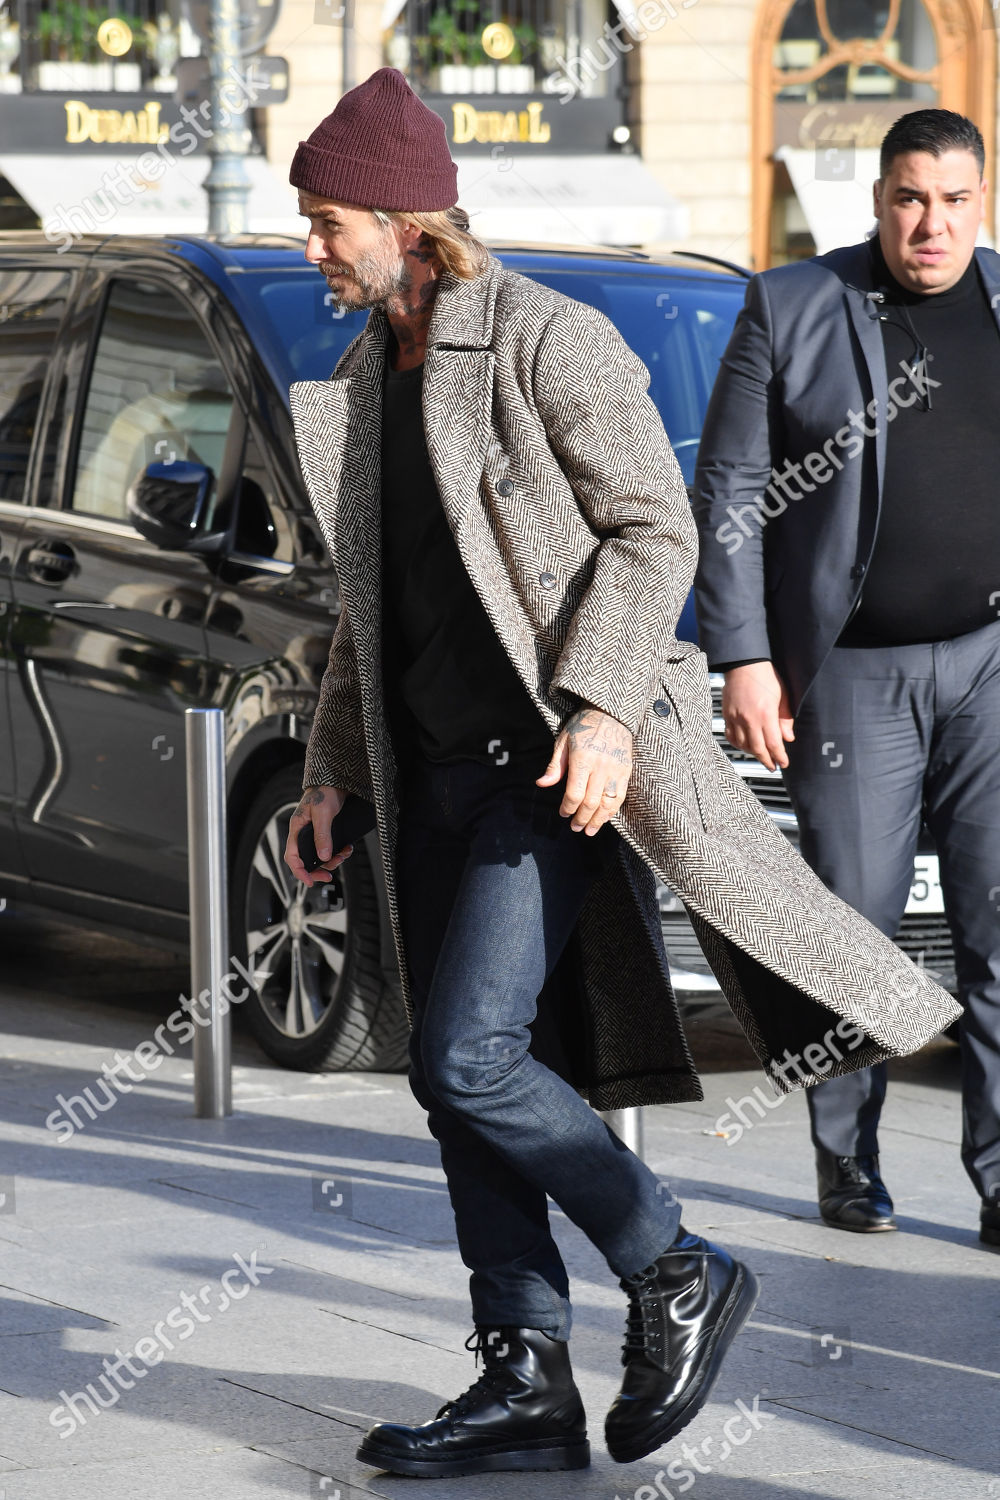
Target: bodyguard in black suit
849, 588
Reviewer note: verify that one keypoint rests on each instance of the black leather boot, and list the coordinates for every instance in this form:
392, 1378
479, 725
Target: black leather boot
852, 1195
524, 1412
989, 1221
684, 1312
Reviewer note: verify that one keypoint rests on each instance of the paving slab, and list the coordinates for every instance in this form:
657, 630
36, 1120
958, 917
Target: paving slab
871, 1362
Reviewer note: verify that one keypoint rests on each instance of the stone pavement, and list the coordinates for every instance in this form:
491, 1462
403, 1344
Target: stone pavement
266, 1286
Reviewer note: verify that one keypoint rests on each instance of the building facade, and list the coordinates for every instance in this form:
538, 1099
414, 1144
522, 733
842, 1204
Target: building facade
758, 121
743, 129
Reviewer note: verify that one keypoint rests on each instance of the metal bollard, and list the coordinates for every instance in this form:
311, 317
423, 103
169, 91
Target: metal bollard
627, 1125
204, 731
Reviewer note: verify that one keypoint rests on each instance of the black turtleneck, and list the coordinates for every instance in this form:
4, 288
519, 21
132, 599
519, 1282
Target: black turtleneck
935, 570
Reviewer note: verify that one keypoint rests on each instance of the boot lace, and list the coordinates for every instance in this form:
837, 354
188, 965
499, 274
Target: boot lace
858, 1169
495, 1376
646, 1322
643, 1320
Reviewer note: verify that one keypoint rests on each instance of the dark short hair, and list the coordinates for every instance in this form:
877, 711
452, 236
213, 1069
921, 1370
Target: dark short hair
934, 131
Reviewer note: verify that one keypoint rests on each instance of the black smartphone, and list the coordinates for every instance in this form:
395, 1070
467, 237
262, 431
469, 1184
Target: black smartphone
355, 819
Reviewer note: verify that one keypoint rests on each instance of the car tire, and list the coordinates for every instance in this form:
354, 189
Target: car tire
320, 999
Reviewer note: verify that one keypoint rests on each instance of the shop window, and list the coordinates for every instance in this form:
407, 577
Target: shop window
851, 49
462, 47
62, 46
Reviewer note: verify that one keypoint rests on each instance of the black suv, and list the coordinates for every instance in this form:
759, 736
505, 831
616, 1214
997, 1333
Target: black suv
157, 552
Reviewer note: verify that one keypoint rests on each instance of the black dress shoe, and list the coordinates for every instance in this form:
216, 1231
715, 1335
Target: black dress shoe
684, 1312
989, 1221
852, 1195
524, 1412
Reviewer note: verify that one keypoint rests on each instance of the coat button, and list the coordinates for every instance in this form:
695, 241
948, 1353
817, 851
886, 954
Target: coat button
661, 707
547, 580
505, 486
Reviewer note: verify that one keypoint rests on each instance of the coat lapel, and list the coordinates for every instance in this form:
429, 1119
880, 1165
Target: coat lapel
458, 389
339, 427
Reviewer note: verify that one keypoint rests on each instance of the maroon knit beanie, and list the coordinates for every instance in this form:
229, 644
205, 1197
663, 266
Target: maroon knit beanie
380, 148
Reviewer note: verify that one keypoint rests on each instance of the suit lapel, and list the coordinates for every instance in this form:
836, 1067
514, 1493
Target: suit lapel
864, 315
988, 263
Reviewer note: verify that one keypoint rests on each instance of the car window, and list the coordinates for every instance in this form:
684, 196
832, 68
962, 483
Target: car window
156, 394
31, 307
679, 328
305, 331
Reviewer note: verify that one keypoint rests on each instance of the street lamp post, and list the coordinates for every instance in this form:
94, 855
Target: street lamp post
227, 183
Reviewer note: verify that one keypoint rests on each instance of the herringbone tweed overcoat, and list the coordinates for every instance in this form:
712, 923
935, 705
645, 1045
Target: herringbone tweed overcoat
571, 516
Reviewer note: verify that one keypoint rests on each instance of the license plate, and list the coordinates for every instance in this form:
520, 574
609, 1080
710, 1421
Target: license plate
925, 892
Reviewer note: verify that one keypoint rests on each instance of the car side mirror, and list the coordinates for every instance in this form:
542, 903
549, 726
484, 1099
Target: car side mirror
167, 504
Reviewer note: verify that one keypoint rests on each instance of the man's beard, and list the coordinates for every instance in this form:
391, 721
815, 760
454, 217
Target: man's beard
374, 278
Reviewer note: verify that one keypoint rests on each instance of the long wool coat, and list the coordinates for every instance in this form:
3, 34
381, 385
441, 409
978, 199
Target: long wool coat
571, 516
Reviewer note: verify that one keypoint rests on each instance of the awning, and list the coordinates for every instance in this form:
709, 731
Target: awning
595, 200
94, 191
838, 209
838, 203
601, 199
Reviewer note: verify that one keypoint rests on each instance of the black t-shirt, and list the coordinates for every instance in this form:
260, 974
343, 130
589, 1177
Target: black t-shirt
935, 570
451, 690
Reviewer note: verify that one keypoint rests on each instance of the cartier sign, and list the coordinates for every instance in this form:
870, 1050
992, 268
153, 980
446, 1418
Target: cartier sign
837, 122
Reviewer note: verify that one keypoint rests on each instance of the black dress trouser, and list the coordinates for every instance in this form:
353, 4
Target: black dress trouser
888, 735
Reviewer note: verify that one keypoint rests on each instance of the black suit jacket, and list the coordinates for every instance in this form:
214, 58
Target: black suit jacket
781, 570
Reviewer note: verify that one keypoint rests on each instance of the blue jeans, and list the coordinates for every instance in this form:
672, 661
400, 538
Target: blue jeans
491, 883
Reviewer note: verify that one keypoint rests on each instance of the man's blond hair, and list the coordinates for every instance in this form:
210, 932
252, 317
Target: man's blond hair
447, 229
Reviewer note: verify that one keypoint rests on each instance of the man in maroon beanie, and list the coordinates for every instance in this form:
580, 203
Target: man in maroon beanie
514, 543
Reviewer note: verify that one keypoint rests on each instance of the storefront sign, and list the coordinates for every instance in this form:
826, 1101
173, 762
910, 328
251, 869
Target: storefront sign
114, 127
526, 124
110, 122
470, 123
837, 122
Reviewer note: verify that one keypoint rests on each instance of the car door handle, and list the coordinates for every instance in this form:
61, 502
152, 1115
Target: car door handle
81, 604
50, 562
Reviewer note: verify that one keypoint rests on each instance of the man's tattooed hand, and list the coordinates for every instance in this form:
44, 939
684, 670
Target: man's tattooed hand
318, 805
594, 753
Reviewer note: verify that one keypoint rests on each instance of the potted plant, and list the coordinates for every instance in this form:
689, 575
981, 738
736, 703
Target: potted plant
451, 49
514, 75
68, 36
